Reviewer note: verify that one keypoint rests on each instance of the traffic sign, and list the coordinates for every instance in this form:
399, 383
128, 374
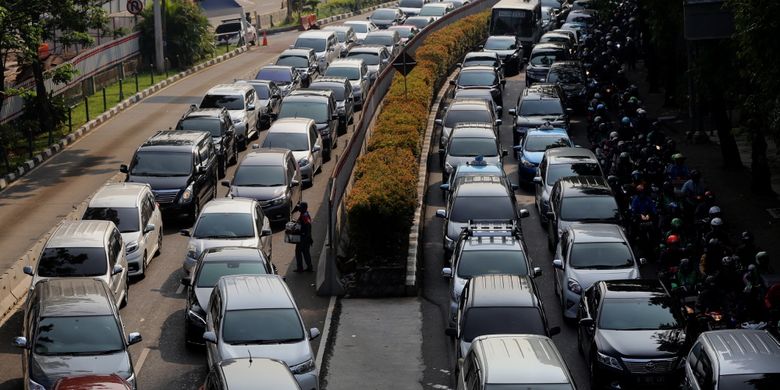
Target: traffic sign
135, 6
404, 63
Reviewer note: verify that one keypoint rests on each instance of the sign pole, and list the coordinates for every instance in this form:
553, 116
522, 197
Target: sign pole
158, 38
406, 96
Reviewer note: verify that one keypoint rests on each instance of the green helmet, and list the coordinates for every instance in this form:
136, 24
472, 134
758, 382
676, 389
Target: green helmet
676, 223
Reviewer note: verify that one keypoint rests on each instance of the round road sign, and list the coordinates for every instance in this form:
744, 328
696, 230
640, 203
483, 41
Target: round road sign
135, 6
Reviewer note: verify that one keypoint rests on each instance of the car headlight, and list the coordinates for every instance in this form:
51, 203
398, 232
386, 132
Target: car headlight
574, 286
608, 361
187, 195
448, 167
278, 201
303, 162
303, 368
527, 163
192, 252
131, 247
32, 385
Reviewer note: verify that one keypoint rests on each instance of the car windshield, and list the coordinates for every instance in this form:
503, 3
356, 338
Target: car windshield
279, 76
227, 28
259, 176
368, 58
454, 117
637, 314
481, 262
318, 44
78, 335
262, 326
557, 171
75, 261
210, 125
411, 3
541, 107
476, 61
500, 43
432, 11
540, 143
600, 255
530, 386
210, 271
315, 110
589, 209
125, 218
231, 102
384, 40
338, 91
350, 72
359, 27
472, 147
154, 163
565, 76
341, 36
224, 226
261, 89
545, 58
466, 208
481, 321
405, 31
749, 381
294, 61
293, 141
383, 14
477, 79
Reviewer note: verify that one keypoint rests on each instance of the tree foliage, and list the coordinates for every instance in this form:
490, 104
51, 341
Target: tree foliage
187, 34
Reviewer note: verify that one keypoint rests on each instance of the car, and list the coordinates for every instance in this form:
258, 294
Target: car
465, 110
509, 49
469, 140
476, 167
228, 222
302, 60
560, 38
478, 94
237, 31
436, 10
571, 33
256, 316
532, 147
571, 77
92, 382
477, 198
283, 76
269, 99
483, 58
513, 361
181, 167
241, 102
386, 17
131, 207
498, 304
342, 92
549, 17
576, 199
458, 3
587, 253
538, 105
71, 325
420, 22
320, 106
243, 374
376, 58
271, 177
356, 71
213, 264
582, 16
411, 7
481, 77
361, 27
733, 359
84, 250
345, 35
557, 163
223, 133
485, 248
542, 56
405, 31
632, 334
390, 39
299, 135
325, 45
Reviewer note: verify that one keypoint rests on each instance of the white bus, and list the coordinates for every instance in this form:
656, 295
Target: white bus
522, 18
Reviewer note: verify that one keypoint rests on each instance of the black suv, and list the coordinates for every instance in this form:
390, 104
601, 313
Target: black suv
342, 91
542, 57
571, 77
538, 105
181, 167
223, 134
319, 106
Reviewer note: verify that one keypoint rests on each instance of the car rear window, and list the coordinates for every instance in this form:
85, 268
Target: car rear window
211, 125
472, 147
477, 79
482, 262
230, 102
466, 208
224, 226
589, 209
75, 261
210, 272
262, 326
454, 117
259, 176
600, 255
294, 61
557, 171
481, 321
540, 143
125, 218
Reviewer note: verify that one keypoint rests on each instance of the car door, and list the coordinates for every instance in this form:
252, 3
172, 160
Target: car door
561, 253
315, 146
214, 324
541, 173
228, 136
590, 309
263, 225
555, 203
116, 281
208, 158
251, 102
275, 99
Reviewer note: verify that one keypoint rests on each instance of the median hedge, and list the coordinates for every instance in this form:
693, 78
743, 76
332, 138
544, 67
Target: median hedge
381, 205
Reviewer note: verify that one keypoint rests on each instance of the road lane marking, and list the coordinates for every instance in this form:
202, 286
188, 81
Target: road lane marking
324, 336
141, 361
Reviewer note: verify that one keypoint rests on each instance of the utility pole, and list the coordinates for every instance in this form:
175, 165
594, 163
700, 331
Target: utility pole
159, 57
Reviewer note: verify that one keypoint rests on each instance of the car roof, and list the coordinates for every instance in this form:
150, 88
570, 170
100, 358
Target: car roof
569, 154
386, 9
119, 195
300, 52
233, 253
82, 234
479, 68
340, 28
224, 89
435, 5
513, 359
469, 168
242, 292
481, 54
203, 112
469, 104
228, 205
556, 131
567, 64
382, 32
313, 93
175, 139
590, 185
633, 288
347, 62
316, 34
65, 297
512, 37
367, 49
535, 92
340, 81
470, 131
744, 351
497, 242
265, 156
597, 232
502, 290
291, 125
548, 46
243, 373
481, 186
285, 67
349, 22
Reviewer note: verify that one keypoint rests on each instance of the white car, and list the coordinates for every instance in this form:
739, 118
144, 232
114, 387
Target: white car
324, 43
361, 28
300, 135
236, 31
240, 100
132, 208
436, 10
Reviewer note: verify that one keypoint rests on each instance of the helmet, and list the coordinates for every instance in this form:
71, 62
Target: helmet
747, 236
673, 206
640, 112
601, 106
676, 223
726, 260
597, 95
672, 239
633, 100
678, 156
716, 222
710, 281
713, 242
613, 180
597, 119
636, 175
709, 195
640, 189
625, 121
751, 268
614, 135
714, 210
684, 263
695, 174
762, 257
624, 156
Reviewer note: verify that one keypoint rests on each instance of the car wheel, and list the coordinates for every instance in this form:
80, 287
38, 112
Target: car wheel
126, 298
142, 267
159, 243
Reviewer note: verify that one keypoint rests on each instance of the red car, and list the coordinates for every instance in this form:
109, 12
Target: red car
92, 382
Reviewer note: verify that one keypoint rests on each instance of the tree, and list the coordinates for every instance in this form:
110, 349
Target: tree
187, 35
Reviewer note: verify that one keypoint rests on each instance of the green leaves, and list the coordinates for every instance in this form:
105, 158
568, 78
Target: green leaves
188, 37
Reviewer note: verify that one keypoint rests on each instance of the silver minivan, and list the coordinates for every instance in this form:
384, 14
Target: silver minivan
85, 249
325, 45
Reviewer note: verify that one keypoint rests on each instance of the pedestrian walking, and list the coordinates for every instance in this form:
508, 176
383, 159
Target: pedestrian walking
302, 253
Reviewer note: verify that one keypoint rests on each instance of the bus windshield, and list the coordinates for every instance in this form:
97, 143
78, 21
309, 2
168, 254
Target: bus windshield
512, 22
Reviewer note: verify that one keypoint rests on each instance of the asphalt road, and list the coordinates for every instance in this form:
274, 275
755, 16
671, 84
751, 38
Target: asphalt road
156, 306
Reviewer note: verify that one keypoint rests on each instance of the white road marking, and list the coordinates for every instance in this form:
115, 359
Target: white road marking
140, 363
324, 336
180, 289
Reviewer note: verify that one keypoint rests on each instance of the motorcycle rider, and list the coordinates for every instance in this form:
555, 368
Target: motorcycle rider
711, 261
693, 190
677, 171
711, 297
746, 250
643, 209
687, 278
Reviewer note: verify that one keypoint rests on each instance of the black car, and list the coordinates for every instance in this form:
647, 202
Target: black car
284, 76
319, 106
509, 49
386, 17
303, 60
181, 168
632, 334
342, 91
217, 122
269, 99
481, 77
538, 105
571, 77
541, 58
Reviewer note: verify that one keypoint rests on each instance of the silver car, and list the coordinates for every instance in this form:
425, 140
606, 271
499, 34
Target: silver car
470, 140
228, 222
586, 254
356, 71
387, 38
557, 163
361, 28
240, 100
466, 110
300, 135
345, 35
256, 316
376, 58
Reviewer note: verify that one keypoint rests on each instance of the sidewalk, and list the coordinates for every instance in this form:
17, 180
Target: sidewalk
378, 346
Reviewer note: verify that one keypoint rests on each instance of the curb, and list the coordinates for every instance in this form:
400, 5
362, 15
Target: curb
47, 153
330, 19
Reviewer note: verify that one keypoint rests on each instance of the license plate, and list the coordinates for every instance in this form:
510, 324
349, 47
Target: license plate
651, 379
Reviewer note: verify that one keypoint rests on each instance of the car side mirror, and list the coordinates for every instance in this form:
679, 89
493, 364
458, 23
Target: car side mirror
123, 168
558, 263
514, 186
446, 272
21, 342
458, 65
586, 322
291, 47
149, 228
314, 333
186, 281
452, 82
441, 213
200, 170
518, 148
185, 232
438, 121
554, 330
294, 183
210, 337
550, 215
368, 18
316, 149
524, 213
569, 110
503, 82
499, 108
451, 332
537, 272
28, 270
250, 107
444, 187
504, 153
265, 232
117, 269
134, 338
499, 122
537, 180
642, 261
255, 146
512, 112
481, 47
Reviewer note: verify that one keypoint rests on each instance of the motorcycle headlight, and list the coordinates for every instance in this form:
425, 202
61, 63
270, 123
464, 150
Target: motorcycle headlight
608, 361
527, 163
192, 252
304, 367
303, 162
131, 247
32, 385
187, 195
574, 286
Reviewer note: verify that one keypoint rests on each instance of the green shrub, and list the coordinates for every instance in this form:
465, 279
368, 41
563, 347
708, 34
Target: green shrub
188, 38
